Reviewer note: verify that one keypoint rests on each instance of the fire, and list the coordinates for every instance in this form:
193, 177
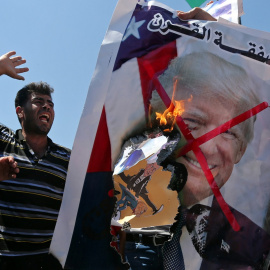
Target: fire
168, 117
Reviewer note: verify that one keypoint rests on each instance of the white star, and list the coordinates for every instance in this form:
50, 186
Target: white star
133, 29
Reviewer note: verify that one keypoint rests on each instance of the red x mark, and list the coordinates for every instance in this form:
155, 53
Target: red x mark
193, 144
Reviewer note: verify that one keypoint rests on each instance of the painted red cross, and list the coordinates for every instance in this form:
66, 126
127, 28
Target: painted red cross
193, 144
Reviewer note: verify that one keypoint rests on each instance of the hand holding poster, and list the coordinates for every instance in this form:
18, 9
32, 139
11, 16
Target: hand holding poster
150, 62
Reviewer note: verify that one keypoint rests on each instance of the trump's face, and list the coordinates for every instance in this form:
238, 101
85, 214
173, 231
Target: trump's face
222, 152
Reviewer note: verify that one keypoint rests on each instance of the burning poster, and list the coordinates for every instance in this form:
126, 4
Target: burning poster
176, 124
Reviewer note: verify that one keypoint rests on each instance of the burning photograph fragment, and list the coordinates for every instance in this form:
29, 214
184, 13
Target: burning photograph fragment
146, 179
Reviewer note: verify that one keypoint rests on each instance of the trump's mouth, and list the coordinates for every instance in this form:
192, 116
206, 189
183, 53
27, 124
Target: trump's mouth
197, 164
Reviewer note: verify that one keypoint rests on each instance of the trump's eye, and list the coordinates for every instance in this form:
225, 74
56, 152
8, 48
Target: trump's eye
230, 134
192, 123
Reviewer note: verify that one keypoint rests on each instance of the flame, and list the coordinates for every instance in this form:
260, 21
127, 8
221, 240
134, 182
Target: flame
175, 110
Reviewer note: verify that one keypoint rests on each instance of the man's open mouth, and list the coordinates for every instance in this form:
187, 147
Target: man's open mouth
45, 117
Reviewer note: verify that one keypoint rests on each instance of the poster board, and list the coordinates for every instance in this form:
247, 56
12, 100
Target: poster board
141, 41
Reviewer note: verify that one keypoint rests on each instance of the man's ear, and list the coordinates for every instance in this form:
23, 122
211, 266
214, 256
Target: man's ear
19, 112
241, 152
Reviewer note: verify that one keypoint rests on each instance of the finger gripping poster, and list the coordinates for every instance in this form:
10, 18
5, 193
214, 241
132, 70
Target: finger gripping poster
175, 134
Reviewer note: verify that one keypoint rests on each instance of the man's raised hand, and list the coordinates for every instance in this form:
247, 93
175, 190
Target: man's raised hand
8, 65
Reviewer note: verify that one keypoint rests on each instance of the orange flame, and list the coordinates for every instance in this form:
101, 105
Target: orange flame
170, 114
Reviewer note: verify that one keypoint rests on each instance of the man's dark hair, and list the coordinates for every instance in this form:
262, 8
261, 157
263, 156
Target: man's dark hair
34, 87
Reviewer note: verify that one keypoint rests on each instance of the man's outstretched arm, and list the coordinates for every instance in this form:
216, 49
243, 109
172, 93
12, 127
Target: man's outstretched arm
8, 65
